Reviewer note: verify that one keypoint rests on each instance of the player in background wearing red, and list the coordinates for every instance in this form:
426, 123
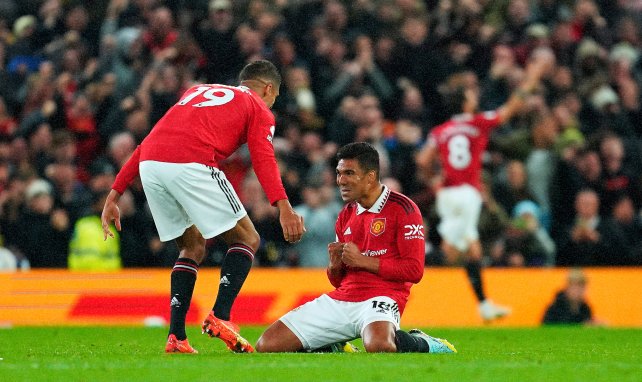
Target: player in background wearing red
191, 200
458, 145
379, 254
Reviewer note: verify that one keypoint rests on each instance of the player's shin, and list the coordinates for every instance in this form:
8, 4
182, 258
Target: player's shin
234, 271
182, 286
410, 344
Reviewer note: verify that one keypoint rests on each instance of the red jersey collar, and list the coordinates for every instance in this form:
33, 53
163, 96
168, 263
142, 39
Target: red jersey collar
378, 205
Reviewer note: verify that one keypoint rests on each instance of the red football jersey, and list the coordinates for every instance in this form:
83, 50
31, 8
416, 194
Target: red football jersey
392, 230
207, 125
461, 142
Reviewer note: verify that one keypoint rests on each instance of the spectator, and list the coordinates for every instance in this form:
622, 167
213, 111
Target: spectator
44, 231
216, 36
630, 224
319, 213
591, 239
514, 189
527, 242
64, 68
570, 306
87, 252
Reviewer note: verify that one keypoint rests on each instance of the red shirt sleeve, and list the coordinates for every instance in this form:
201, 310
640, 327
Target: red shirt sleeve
487, 120
259, 142
127, 174
409, 265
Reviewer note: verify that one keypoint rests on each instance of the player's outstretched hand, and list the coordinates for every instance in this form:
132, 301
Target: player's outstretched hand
111, 212
291, 222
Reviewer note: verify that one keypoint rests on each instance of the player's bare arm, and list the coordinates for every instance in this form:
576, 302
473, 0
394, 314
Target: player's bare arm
291, 222
351, 256
426, 159
540, 63
111, 212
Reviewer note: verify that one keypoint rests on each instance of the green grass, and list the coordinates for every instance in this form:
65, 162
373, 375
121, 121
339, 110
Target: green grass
136, 354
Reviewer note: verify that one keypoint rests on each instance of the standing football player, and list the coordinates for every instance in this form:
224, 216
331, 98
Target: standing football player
379, 254
459, 144
191, 200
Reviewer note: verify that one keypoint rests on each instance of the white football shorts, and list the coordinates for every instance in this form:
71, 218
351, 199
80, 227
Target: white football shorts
459, 208
324, 320
184, 194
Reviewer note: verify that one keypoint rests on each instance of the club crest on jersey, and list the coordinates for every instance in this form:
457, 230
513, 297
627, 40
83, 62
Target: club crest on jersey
377, 226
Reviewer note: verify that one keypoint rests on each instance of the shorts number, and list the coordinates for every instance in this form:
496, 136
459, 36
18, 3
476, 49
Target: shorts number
214, 96
459, 152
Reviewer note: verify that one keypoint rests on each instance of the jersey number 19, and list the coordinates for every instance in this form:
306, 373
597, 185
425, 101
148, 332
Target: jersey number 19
214, 96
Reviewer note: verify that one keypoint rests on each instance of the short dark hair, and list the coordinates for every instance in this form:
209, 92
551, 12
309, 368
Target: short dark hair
365, 154
453, 99
262, 70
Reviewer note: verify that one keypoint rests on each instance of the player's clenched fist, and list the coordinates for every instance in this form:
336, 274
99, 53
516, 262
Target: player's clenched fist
335, 250
351, 255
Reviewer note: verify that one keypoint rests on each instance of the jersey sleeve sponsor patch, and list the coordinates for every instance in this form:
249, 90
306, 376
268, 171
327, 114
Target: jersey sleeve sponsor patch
413, 231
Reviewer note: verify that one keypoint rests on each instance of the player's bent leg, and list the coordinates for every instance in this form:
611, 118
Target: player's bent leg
451, 254
474, 252
183, 279
242, 241
379, 337
278, 338
191, 245
243, 233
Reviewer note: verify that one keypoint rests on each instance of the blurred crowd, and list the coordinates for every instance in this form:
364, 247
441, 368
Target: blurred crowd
83, 82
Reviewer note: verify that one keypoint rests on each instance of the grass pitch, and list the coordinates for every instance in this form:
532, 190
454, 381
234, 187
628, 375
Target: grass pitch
136, 354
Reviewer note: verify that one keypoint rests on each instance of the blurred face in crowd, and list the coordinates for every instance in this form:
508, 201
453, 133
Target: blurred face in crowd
336, 17
575, 291
40, 140
221, 19
162, 22
518, 12
589, 166
587, 204
312, 197
41, 203
516, 175
77, 18
413, 99
370, 111
624, 211
414, 31
612, 151
297, 78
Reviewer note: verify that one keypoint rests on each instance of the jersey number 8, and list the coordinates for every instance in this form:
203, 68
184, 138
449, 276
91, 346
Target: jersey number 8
459, 152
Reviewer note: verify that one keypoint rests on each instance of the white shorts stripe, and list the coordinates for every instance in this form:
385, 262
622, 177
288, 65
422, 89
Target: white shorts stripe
216, 175
184, 194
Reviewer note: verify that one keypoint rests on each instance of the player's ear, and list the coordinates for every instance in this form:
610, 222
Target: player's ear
372, 176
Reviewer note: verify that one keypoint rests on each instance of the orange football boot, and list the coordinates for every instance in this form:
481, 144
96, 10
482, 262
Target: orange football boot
178, 346
228, 332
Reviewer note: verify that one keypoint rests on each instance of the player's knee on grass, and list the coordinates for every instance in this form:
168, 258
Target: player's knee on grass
278, 339
380, 345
